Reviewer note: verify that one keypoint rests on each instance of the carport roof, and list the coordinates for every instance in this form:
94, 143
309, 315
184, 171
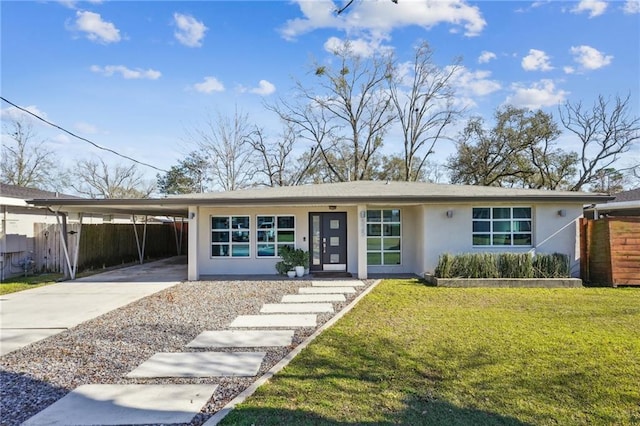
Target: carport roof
360, 192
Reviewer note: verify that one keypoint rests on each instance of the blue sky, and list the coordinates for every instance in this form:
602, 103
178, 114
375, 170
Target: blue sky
136, 76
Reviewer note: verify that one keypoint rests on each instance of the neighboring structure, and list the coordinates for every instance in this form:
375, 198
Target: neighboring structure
17, 234
361, 227
610, 242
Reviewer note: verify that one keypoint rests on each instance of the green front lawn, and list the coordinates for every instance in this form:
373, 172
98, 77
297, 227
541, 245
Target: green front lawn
416, 355
11, 285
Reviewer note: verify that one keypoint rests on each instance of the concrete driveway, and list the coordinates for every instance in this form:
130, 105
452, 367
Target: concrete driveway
32, 315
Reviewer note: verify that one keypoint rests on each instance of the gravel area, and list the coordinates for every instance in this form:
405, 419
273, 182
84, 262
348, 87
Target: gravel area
105, 349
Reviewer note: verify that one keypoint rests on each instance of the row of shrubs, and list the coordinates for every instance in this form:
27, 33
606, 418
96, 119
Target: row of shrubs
503, 265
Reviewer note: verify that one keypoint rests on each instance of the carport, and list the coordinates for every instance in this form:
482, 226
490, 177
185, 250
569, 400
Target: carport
66, 210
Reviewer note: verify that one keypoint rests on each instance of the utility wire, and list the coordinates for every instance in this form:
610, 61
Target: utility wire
81, 138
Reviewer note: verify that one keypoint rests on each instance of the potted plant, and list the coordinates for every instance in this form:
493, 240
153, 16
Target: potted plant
300, 261
291, 274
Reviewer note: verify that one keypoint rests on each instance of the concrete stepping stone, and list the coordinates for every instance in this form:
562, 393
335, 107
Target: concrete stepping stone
325, 290
312, 298
132, 404
241, 338
200, 364
295, 308
342, 283
275, 320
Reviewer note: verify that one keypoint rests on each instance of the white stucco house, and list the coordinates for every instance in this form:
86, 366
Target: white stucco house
362, 227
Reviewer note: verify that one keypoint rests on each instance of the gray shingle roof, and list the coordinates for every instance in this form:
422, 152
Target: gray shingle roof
24, 193
631, 195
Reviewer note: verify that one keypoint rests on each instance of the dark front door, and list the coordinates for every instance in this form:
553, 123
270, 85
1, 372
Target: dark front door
328, 237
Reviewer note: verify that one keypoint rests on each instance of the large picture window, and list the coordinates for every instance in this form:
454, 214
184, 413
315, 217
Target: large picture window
230, 236
273, 233
384, 237
502, 226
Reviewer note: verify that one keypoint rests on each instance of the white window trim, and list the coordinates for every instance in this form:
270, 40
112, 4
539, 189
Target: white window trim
491, 233
230, 243
382, 251
275, 229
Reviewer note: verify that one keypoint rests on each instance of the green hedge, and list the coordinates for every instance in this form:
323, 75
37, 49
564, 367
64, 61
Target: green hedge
503, 265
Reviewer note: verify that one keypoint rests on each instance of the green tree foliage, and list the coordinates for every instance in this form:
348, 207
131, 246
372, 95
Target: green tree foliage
190, 175
518, 151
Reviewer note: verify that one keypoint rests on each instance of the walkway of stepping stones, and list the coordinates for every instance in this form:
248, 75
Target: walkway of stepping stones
180, 403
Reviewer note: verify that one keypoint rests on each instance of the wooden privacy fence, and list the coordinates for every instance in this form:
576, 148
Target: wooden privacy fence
104, 245
610, 250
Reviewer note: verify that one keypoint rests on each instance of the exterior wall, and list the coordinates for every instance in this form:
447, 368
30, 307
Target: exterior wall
207, 265
551, 231
427, 232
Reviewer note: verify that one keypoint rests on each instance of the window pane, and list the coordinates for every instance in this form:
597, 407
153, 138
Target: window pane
482, 240
267, 250
240, 250
288, 222
219, 223
522, 225
501, 239
391, 244
502, 213
481, 226
521, 239
240, 236
522, 212
481, 213
374, 243
218, 250
374, 216
374, 230
392, 230
240, 222
266, 236
265, 222
391, 215
392, 258
374, 258
501, 226
286, 236
220, 237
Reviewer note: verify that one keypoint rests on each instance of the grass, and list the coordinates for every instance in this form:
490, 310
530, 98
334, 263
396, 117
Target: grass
12, 285
417, 355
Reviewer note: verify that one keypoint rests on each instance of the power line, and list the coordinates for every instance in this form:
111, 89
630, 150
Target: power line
81, 138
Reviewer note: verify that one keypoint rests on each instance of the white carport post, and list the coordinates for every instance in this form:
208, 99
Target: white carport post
362, 241
175, 231
71, 268
194, 218
144, 237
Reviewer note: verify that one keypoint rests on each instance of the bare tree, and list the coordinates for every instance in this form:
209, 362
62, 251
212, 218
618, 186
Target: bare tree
347, 113
606, 131
25, 159
96, 179
279, 164
226, 143
424, 101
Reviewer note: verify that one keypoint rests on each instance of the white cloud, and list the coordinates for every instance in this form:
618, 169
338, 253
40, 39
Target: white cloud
594, 7
381, 17
569, 70
86, 128
474, 83
590, 58
190, 31
95, 28
264, 88
126, 73
536, 60
13, 113
631, 7
209, 85
540, 94
361, 46
486, 56
72, 4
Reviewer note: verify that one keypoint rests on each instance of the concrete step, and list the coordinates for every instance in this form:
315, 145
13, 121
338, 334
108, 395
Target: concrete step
311, 298
295, 308
241, 338
326, 290
275, 320
199, 364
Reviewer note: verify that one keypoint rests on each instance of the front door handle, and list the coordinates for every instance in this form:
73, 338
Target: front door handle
324, 245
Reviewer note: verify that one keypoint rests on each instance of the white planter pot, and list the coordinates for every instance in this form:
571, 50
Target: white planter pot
291, 274
300, 271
